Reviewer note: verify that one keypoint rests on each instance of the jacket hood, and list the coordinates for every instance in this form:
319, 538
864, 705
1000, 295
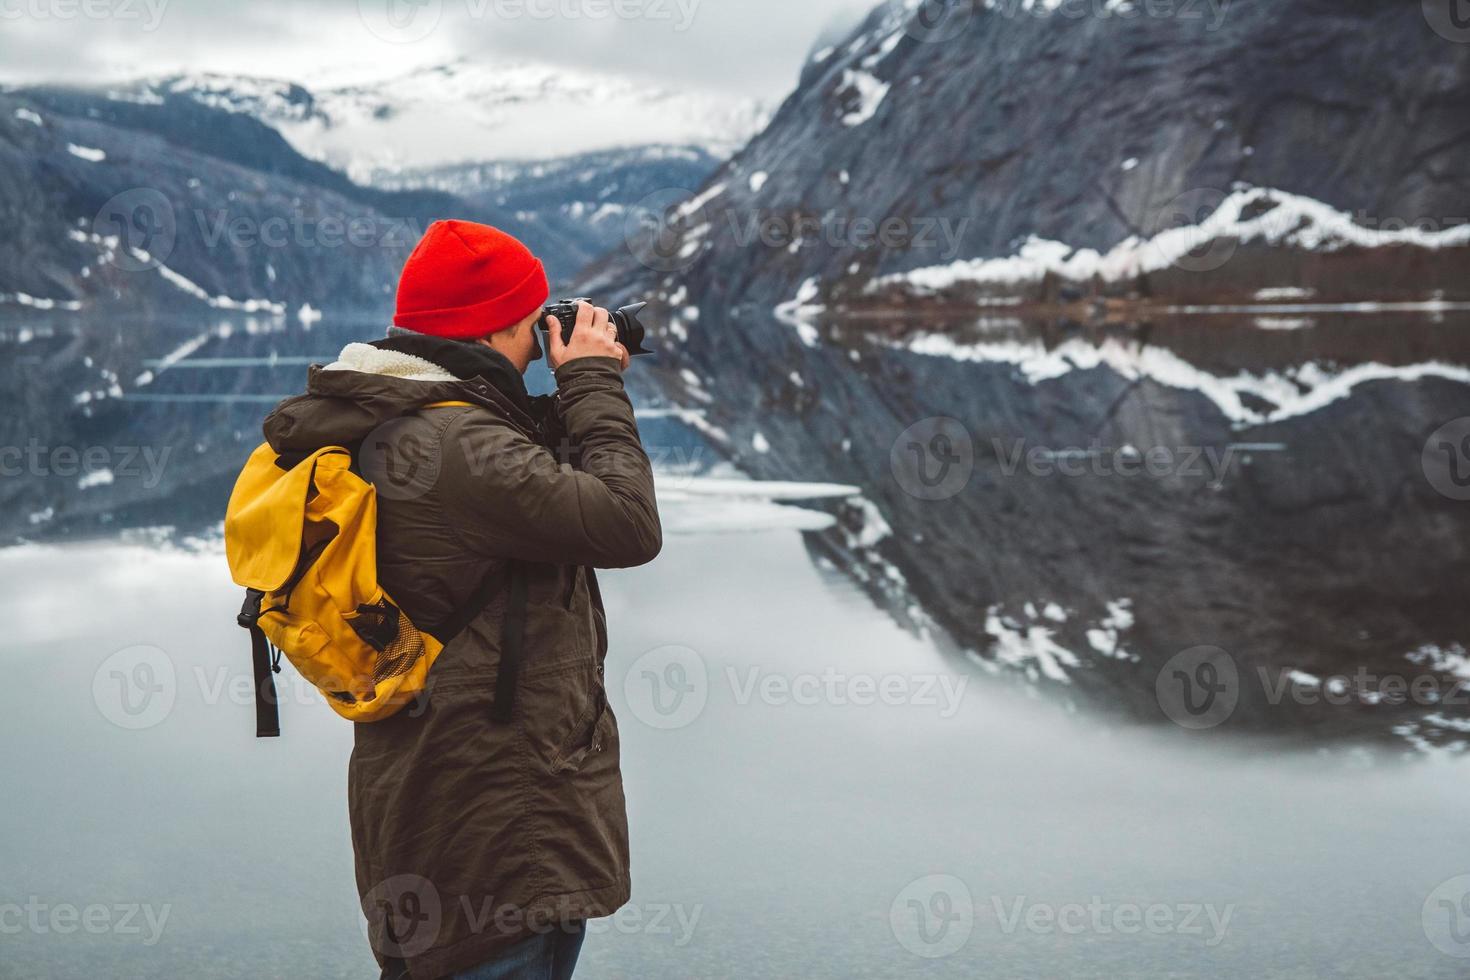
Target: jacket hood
371, 384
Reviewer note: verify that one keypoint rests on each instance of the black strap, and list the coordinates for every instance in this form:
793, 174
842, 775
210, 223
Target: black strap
473, 606
267, 705
512, 643
512, 631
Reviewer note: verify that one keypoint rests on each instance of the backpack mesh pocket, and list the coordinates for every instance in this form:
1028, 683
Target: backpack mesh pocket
398, 642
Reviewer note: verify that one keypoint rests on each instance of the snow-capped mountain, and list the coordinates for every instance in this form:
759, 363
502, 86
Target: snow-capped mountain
469, 112
598, 201
1022, 244
209, 158
170, 204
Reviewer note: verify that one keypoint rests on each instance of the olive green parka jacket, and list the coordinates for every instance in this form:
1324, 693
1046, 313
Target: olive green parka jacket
471, 834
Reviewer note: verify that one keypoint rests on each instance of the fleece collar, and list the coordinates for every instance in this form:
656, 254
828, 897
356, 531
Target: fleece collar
415, 357
367, 359
371, 384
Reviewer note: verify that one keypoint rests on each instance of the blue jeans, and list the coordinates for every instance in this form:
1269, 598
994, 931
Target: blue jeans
549, 957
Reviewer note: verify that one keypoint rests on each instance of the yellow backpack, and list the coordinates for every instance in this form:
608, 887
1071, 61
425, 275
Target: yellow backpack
301, 537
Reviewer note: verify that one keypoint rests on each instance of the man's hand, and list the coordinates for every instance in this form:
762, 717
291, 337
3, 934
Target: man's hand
593, 336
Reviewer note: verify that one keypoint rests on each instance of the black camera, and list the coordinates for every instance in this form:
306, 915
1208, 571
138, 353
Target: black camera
630, 330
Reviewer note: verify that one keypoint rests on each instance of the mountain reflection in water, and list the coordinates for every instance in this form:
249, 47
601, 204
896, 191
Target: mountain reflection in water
1292, 521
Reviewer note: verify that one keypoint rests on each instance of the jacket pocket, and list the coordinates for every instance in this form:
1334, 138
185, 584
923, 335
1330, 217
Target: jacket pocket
587, 737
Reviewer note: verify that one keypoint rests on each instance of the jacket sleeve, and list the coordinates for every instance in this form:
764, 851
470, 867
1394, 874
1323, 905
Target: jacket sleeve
508, 497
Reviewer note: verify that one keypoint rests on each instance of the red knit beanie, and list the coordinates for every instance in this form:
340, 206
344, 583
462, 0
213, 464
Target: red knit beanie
465, 281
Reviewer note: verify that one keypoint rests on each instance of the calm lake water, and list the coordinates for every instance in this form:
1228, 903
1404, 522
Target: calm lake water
815, 792
784, 824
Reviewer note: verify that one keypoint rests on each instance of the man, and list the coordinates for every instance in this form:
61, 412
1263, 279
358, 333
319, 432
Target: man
489, 824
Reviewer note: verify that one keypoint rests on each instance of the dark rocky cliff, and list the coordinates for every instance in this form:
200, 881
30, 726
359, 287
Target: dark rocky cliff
1008, 123
1320, 540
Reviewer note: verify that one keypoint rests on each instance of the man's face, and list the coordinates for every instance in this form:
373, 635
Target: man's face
519, 344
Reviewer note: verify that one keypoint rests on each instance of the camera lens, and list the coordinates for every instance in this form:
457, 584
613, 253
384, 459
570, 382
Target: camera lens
631, 330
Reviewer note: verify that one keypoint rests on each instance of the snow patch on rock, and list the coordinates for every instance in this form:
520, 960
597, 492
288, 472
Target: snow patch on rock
88, 153
867, 89
95, 478
1029, 648
1285, 219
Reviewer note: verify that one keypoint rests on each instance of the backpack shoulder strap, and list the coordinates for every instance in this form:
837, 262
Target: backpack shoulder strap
267, 706
512, 642
512, 632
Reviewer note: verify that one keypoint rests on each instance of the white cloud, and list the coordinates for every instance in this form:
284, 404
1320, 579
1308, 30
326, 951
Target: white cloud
752, 46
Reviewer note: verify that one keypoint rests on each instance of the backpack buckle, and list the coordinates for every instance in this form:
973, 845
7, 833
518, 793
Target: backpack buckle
250, 611
376, 625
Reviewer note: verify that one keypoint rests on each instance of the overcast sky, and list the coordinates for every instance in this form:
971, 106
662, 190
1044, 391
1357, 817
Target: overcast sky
754, 46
